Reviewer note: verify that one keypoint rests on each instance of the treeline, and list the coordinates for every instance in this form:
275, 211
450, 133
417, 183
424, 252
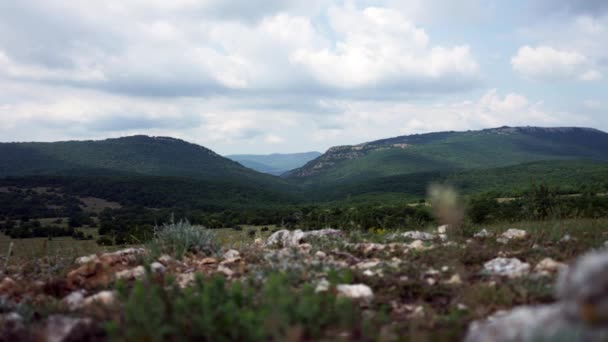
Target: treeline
34, 229
23, 204
540, 202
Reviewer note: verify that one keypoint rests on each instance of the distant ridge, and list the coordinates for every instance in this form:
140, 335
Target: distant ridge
486, 148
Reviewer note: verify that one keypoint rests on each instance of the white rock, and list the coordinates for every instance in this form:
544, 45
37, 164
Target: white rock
442, 229
417, 245
286, 238
549, 266
135, 273
165, 259
511, 268
105, 298
482, 234
357, 291
322, 286
418, 235
60, 328
320, 255
86, 259
368, 264
75, 300
185, 279
369, 273
231, 254
454, 280
225, 270
157, 267
512, 234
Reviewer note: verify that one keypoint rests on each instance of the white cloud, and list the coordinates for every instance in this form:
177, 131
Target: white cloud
379, 46
547, 63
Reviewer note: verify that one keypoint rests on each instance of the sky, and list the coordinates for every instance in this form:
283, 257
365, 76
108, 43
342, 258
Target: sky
266, 76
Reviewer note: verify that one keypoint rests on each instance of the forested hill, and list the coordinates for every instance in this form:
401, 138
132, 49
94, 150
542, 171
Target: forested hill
151, 156
445, 151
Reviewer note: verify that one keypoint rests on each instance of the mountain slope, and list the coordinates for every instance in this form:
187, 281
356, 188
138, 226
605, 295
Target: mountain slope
275, 163
153, 156
451, 151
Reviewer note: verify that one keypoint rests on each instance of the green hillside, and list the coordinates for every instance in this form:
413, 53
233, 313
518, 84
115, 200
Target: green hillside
276, 163
152, 156
450, 152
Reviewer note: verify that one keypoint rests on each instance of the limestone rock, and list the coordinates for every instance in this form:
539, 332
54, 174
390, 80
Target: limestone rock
418, 235
548, 266
512, 234
482, 234
357, 291
135, 273
507, 267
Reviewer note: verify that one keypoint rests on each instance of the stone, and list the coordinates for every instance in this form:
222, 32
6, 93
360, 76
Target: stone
442, 229
357, 291
62, 328
103, 298
482, 234
225, 270
322, 286
506, 267
286, 238
320, 255
231, 254
165, 259
418, 235
534, 323
585, 286
208, 261
86, 259
135, 273
417, 245
368, 264
75, 300
512, 234
454, 280
548, 266
157, 267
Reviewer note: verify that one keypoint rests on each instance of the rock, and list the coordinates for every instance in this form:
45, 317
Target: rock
417, 245
581, 313
369, 273
305, 247
135, 273
225, 270
482, 234
286, 238
62, 328
566, 238
320, 255
512, 234
165, 259
322, 286
157, 267
506, 267
418, 235
548, 266
533, 323
86, 259
103, 298
231, 254
368, 264
208, 261
442, 229
357, 291
584, 285
454, 280
75, 300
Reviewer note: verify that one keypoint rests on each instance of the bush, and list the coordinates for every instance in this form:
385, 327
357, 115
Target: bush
105, 241
182, 237
212, 310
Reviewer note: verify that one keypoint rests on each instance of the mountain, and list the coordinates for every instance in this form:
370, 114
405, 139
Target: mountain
276, 163
448, 152
152, 156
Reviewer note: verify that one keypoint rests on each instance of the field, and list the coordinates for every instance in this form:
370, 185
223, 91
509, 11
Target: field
429, 289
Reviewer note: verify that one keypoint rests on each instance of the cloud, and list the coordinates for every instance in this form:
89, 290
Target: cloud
575, 7
205, 48
546, 63
381, 49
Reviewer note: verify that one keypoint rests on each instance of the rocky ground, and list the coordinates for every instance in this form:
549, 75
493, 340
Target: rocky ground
441, 284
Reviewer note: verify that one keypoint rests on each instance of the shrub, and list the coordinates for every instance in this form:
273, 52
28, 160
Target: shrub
213, 310
182, 237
